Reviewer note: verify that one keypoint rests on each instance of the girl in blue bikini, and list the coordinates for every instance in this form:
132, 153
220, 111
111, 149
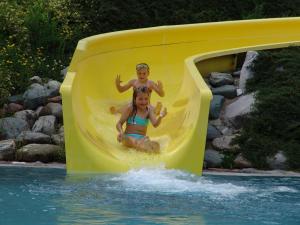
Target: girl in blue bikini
137, 116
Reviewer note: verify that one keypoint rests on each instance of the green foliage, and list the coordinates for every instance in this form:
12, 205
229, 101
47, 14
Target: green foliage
39, 37
274, 123
228, 160
43, 30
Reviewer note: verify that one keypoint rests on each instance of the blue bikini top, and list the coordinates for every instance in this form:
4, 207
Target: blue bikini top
137, 120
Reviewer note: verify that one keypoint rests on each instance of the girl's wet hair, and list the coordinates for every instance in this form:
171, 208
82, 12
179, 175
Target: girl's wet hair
142, 66
136, 91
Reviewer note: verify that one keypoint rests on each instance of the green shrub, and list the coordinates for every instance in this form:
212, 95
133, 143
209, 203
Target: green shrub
274, 123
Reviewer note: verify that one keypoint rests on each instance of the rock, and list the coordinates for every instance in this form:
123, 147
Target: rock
58, 139
56, 99
228, 91
241, 162
224, 143
28, 115
7, 149
45, 110
216, 106
246, 71
38, 152
45, 124
18, 99
221, 127
61, 130
14, 107
239, 92
53, 87
212, 132
235, 113
278, 161
226, 131
11, 127
38, 111
64, 72
35, 96
55, 109
36, 79
217, 79
236, 73
213, 158
28, 137
217, 123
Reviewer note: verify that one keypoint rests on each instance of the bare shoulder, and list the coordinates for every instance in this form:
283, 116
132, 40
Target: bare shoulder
128, 108
132, 81
151, 83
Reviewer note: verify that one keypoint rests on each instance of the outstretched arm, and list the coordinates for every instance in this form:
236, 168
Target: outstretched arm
155, 120
158, 88
122, 120
124, 87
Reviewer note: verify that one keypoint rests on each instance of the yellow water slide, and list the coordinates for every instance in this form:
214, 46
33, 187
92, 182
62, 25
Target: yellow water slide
179, 56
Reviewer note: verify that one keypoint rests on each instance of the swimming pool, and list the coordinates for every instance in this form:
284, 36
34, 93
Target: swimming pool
145, 196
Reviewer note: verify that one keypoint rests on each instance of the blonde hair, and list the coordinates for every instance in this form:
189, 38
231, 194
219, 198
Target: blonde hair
142, 66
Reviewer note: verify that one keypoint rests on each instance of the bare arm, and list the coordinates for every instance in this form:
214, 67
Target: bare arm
157, 120
122, 88
158, 88
122, 120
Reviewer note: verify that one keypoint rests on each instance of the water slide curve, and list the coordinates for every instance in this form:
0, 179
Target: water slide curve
180, 56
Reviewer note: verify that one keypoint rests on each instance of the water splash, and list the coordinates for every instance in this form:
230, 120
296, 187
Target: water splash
160, 180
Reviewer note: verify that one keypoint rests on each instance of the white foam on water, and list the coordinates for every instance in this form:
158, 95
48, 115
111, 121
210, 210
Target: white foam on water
283, 189
160, 180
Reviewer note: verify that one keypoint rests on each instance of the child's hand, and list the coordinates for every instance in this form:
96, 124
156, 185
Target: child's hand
163, 113
118, 80
120, 137
159, 85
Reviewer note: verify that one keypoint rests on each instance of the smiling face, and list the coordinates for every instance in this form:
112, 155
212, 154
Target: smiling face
142, 74
142, 100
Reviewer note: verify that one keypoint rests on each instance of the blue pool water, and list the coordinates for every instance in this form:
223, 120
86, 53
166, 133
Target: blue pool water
145, 196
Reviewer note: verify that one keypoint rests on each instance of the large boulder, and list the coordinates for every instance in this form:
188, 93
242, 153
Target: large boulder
56, 99
45, 124
278, 161
14, 107
216, 106
53, 87
36, 79
35, 96
246, 71
7, 149
212, 132
228, 91
241, 162
18, 99
213, 158
217, 79
11, 127
27, 137
235, 112
63, 72
55, 109
224, 143
28, 115
58, 139
38, 152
